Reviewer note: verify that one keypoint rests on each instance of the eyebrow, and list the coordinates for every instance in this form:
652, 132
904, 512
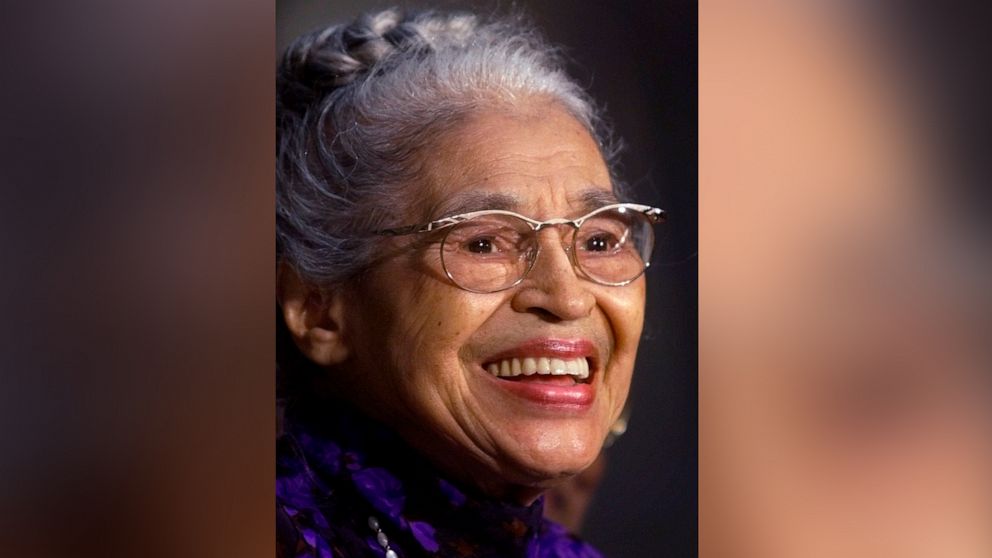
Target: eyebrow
477, 201
588, 199
594, 198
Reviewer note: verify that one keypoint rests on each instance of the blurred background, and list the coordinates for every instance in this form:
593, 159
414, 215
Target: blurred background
844, 381
638, 59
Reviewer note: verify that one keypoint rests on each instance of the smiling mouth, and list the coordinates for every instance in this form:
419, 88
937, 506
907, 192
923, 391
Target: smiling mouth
542, 369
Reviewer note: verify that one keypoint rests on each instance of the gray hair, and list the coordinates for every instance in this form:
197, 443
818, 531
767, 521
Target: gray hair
358, 104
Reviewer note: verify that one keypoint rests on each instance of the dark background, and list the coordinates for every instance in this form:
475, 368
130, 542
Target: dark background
639, 60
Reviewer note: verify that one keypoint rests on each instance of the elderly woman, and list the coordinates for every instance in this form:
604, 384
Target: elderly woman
460, 289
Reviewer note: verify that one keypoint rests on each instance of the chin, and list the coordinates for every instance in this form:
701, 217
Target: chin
550, 456
531, 479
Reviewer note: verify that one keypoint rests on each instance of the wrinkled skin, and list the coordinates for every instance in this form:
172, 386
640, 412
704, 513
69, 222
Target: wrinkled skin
408, 346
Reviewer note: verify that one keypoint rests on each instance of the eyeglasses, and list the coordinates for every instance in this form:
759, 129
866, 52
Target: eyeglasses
493, 250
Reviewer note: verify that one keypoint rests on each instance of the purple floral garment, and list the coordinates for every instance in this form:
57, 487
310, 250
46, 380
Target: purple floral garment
335, 472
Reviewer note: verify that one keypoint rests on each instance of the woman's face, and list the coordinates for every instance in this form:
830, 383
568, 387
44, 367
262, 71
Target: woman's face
420, 347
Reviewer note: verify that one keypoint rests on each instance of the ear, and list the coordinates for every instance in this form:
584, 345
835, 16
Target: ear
314, 317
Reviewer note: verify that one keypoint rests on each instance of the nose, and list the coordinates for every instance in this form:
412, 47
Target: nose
553, 288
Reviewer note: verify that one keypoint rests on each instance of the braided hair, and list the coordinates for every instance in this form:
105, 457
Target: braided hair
358, 106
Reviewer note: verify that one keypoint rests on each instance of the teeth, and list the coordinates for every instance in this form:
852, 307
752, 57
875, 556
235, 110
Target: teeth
529, 366
578, 367
544, 366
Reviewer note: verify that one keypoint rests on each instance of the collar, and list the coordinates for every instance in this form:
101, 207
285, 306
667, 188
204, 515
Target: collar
339, 473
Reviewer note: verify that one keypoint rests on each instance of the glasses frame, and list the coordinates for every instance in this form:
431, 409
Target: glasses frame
654, 215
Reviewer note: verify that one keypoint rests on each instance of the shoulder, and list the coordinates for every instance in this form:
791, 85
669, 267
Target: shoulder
318, 513
302, 528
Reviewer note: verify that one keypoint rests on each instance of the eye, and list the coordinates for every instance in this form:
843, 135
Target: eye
481, 245
601, 242
604, 235
484, 241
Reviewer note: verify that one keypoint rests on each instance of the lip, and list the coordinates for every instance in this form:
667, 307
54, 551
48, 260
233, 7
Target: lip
552, 396
578, 397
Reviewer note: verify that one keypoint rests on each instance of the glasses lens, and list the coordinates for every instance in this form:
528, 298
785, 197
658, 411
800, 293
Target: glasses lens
614, 246
487, 253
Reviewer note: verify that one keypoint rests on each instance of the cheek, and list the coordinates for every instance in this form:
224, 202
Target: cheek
624, 310
426, 322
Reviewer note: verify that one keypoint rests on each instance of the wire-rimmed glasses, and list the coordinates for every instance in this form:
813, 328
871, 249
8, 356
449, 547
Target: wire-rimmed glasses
493, 250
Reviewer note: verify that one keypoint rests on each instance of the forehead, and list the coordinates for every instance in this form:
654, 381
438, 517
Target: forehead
536, 160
